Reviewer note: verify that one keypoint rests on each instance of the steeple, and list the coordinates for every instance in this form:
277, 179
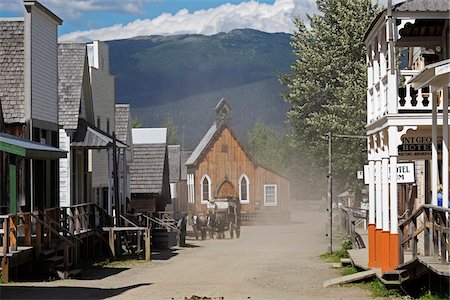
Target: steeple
222, 112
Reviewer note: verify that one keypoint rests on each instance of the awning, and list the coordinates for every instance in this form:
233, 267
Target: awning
434, 74
29, 149
88, 136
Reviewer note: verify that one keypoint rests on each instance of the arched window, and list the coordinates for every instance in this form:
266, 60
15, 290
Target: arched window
205, 188
244, 189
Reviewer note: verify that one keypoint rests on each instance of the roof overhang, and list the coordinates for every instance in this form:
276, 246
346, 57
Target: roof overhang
90, 137
437, 74
29, 149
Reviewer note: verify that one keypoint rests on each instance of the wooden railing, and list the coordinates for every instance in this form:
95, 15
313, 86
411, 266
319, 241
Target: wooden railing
430, 223
84, 217
41, 229
351, 219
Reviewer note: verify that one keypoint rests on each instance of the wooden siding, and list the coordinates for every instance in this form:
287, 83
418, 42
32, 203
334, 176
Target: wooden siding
44, 67
64, 170
227, 161
103, 99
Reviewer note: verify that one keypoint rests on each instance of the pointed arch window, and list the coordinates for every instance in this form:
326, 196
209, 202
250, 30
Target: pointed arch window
205, 185
244, 189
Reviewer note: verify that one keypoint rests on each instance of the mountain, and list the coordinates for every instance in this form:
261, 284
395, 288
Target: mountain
186, 75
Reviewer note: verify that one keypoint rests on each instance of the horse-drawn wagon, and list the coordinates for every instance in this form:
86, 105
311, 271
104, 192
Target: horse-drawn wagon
223, 215
226, 216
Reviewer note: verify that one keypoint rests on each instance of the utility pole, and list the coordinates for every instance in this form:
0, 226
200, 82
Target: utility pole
116, 192
330, 182
330, 194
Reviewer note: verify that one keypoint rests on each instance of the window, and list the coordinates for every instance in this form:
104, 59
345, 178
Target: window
98, 121
244, 189
224, 148
270, 195
190, 185
205, 188
107, 125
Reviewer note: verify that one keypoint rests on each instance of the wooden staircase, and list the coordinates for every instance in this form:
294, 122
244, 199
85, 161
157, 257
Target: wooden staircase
51, 239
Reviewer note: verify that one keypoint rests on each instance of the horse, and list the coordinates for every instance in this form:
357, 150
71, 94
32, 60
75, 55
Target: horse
199, 223
218, 224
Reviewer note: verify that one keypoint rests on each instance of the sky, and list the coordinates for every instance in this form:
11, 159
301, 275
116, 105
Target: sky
86, 20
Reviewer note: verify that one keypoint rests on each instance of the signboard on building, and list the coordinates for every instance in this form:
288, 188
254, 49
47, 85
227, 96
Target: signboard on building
418, 145
405, 173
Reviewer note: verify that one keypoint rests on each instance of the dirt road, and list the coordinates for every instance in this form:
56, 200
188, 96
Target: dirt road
267, 262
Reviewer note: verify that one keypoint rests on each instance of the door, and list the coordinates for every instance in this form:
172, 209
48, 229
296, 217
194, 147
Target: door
226, 189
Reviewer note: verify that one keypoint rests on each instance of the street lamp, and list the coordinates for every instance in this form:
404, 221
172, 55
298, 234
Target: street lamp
330, 183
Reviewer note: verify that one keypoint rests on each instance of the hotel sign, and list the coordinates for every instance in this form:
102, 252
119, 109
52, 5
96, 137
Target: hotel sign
418, 147
405, 173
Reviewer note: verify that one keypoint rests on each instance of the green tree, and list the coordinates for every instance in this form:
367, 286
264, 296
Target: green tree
327, 86
268, 147
136, 122
172, 130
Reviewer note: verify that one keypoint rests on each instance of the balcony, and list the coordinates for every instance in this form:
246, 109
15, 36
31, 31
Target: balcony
411, 100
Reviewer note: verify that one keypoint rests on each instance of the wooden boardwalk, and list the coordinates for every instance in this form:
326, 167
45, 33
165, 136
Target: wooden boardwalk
435, 264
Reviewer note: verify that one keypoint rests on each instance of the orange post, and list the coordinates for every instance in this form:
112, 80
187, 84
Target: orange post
372, 245
385, 251
378, 248
394, 251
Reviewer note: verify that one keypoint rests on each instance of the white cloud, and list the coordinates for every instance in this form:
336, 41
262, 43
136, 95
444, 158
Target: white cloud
275, 17
77, 7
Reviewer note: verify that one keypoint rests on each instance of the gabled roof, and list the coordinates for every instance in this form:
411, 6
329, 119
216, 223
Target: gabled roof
210, 137
73, 73
91, 137
147, 168
122, 119
208, 140
203, 145
12, 60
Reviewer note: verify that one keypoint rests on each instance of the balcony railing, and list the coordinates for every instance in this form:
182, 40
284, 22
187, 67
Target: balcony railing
411, 100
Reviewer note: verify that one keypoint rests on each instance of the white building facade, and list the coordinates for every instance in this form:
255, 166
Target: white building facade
407, 115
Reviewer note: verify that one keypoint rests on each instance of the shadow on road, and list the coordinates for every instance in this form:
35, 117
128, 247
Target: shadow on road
165, 254
62, 292
187, 245
100, 273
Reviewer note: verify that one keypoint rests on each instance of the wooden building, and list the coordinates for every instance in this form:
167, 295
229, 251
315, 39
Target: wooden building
149, 184
78, 134
407, 122
220, 166
28, 92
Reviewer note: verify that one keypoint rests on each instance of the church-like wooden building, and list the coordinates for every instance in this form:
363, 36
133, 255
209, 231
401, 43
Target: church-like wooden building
220, 166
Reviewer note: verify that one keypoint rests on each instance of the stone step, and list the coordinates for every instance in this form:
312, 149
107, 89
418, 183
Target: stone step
346, 262
350, 278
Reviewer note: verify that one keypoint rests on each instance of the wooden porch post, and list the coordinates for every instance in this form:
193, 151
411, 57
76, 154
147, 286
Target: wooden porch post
147, 245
